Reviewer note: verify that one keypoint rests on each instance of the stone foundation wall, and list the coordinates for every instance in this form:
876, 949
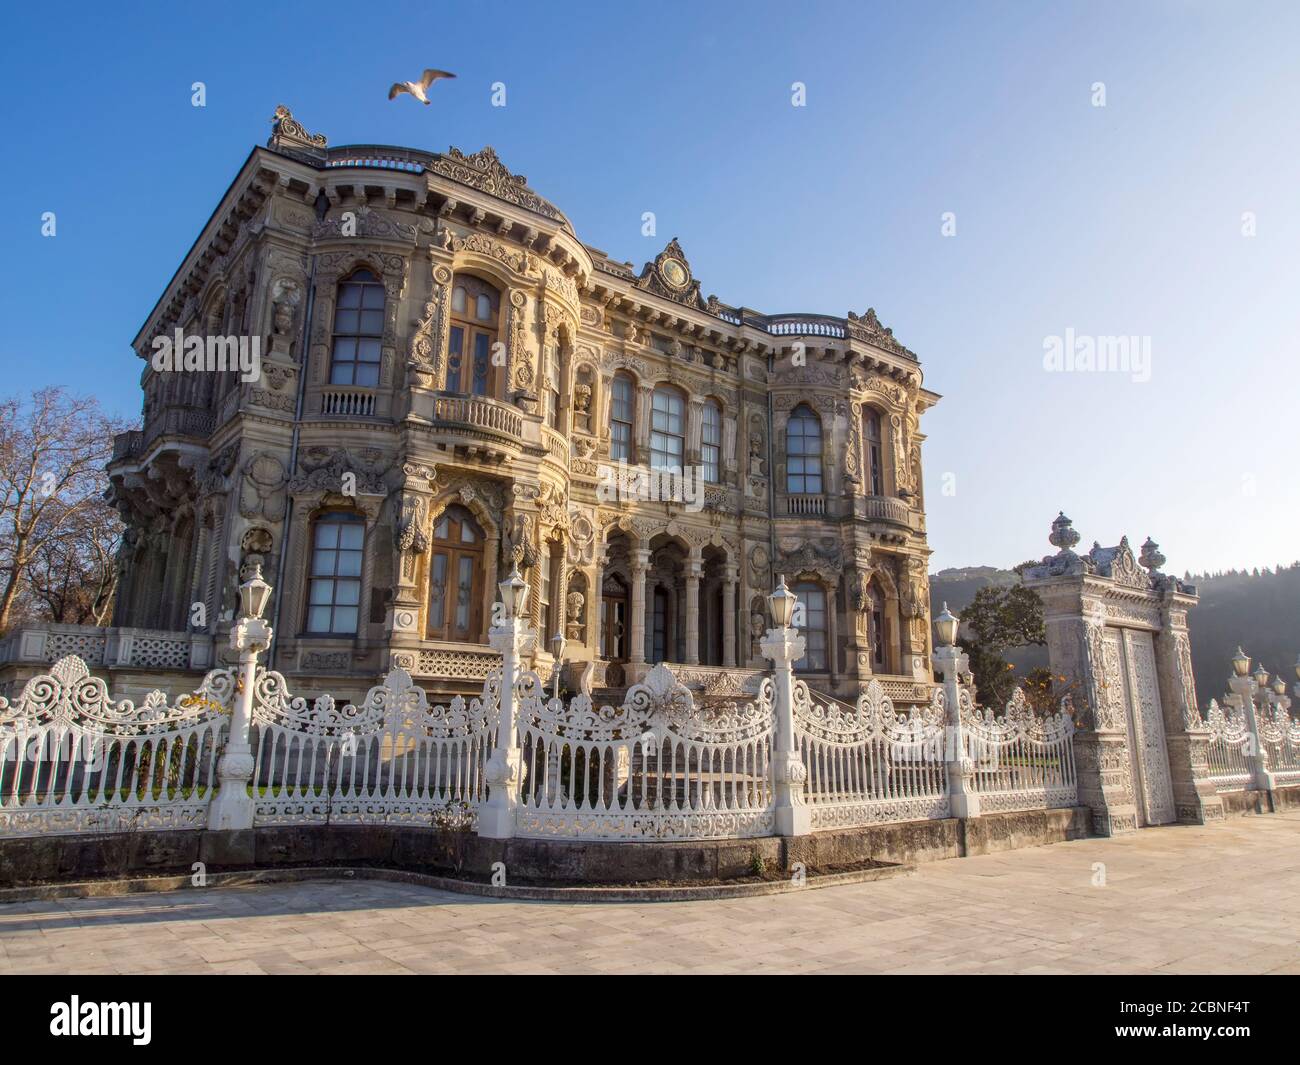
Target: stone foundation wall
1240, 803
52, 859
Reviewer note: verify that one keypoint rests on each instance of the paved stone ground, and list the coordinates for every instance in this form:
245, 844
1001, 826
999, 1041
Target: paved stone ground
1221, 899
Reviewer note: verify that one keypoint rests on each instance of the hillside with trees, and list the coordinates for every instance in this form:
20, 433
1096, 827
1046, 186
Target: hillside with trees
1258, 609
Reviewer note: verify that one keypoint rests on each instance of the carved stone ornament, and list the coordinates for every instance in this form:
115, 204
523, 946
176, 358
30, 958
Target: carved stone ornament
289, 137
670, 276
868, 329
484, 171
1119, 565
262, 494
322, 469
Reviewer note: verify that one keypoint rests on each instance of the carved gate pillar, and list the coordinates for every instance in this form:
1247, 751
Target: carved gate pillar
1119, 637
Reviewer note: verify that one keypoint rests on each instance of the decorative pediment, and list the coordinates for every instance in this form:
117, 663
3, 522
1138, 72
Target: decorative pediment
869, 330
484, 171
1119, 565
289, 137
670, 276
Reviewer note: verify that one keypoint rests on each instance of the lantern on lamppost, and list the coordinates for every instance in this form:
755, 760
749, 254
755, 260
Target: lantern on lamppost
1241, 663
1279, 685
254, 594
781, 604
945, 628
514, 594
1261, 676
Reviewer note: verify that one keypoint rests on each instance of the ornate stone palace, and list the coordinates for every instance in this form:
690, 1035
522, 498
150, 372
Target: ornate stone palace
452, 381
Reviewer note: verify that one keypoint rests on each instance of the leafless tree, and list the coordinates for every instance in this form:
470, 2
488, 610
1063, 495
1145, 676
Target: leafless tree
54, 529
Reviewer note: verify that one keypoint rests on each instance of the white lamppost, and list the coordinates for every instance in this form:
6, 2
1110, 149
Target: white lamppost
251, 635
953, 662
1244, 687
784, 646
512, 638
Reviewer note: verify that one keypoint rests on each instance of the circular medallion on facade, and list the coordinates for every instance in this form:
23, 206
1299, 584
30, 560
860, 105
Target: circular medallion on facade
674, 272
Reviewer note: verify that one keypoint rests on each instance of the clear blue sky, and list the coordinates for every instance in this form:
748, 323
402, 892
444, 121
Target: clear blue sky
1122, 220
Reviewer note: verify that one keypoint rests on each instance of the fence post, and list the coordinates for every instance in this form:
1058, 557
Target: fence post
953, 662
251, 635
509, 635
1243, 687
784, 646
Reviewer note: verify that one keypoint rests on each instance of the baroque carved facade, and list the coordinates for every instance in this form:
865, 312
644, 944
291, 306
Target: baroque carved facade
451, 381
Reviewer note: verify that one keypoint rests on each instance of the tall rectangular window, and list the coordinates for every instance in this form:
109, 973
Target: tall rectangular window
358, 331
334, 594
813, 599
667, 430
875, 465
711, 442
803, 453
622, 408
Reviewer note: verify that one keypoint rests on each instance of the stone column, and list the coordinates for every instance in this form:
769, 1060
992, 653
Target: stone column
1196, 801
729, 615
784, 646
595, 594
693, 573
503, 772
640, 562
962, 798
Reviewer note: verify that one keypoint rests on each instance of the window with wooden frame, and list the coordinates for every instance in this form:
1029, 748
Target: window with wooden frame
475, 308
875, 456
456, 574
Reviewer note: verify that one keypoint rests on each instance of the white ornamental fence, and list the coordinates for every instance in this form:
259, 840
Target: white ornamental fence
657, 767
1257, 749
1020, 760
392, 760
1229, 749
870, 763
72, 759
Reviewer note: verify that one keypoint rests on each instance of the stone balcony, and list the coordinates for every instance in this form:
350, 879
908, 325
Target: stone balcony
113, 648
191, 422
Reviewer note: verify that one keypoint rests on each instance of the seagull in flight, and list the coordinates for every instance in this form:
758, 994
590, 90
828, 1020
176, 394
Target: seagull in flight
418, 88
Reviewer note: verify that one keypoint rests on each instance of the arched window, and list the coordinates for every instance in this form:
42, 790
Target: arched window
358, 331
812, 597
667, 429
456, 577
334, 593
875, 462
711, 441
474, 309
803, 452
622, 418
